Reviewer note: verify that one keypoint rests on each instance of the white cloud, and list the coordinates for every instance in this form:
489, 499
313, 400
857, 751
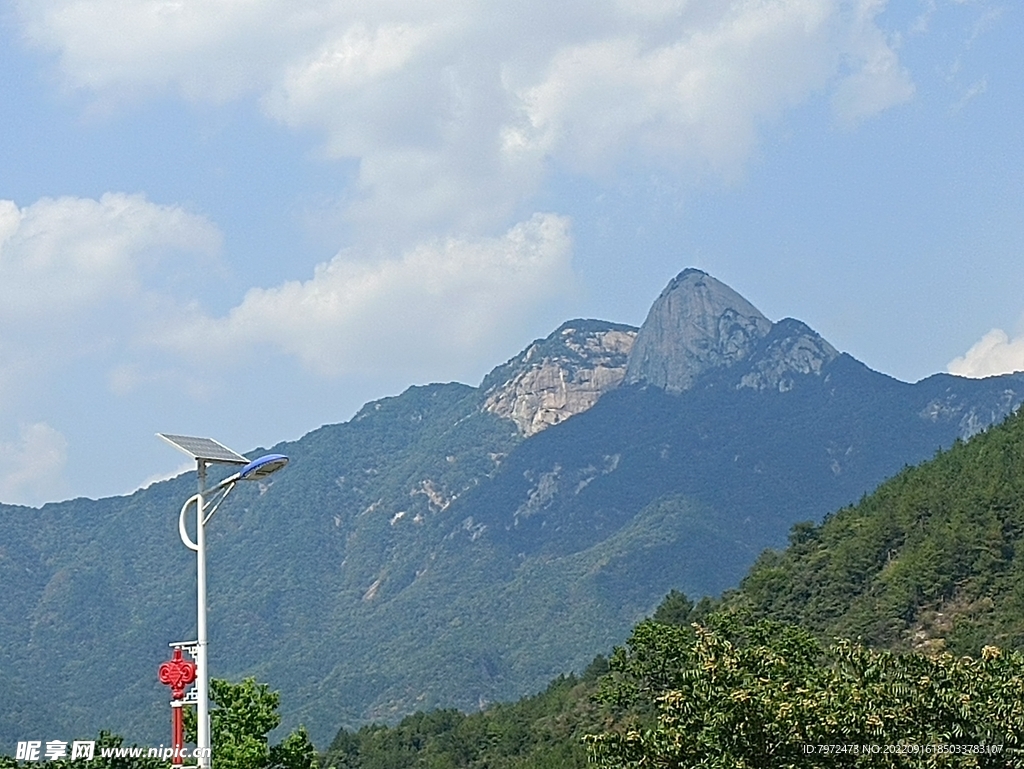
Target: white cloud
876, 80
61, 257
213, 49
428, 310
91, 280
184, 467
699, 94
79, 277
974, 90
455, 110
30, 467
995, 353
966, 93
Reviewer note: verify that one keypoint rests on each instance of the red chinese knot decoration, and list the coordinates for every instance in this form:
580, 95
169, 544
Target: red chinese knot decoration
177, 673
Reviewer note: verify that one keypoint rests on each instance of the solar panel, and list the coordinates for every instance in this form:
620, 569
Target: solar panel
204, 448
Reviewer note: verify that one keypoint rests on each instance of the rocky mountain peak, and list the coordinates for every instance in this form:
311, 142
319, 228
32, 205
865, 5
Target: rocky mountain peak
789, 350
697, 323
559, 376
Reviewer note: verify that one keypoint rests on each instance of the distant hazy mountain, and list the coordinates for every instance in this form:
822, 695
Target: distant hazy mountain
457, 545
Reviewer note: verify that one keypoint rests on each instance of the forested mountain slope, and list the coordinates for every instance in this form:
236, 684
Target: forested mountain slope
930, 562
455, 545
934, 559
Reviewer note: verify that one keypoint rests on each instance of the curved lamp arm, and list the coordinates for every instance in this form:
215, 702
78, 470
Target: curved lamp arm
182, 531
254, 471
225, 488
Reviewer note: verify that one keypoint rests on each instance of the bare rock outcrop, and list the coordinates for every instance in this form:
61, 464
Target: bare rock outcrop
791, 349
560, 376
697, 329
697, 323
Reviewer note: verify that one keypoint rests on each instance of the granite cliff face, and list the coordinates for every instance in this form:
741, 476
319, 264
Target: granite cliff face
698, 329
698, 323
791, 349
701, 331
559, 376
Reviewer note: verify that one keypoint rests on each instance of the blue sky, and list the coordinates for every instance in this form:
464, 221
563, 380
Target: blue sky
245, 218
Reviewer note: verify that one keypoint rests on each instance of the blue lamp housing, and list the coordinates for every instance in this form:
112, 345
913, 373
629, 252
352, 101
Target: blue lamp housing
262, 467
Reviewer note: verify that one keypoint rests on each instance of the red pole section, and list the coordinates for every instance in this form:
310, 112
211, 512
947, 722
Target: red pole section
177, 733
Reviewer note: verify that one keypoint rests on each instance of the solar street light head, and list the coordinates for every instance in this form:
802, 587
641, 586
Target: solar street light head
262, 467
204, 449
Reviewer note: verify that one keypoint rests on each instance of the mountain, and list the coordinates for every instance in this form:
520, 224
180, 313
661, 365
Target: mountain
696, 324
561, 376
458, 545
932, 561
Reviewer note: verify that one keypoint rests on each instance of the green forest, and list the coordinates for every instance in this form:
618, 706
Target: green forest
889, 635
895, 625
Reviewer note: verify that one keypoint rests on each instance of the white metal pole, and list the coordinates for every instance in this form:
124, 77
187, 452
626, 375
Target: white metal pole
202, 675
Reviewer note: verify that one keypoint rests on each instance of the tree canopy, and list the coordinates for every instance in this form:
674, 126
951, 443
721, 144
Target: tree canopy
730, 693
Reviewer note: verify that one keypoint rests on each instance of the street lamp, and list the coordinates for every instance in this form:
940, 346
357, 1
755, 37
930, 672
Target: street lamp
206, 451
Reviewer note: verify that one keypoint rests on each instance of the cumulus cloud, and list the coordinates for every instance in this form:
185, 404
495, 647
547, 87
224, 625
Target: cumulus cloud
63, 256
456, 111
995, 353
80, 280
79, 275
31, 466
428, 309
83, 278
701, 93
213, 49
